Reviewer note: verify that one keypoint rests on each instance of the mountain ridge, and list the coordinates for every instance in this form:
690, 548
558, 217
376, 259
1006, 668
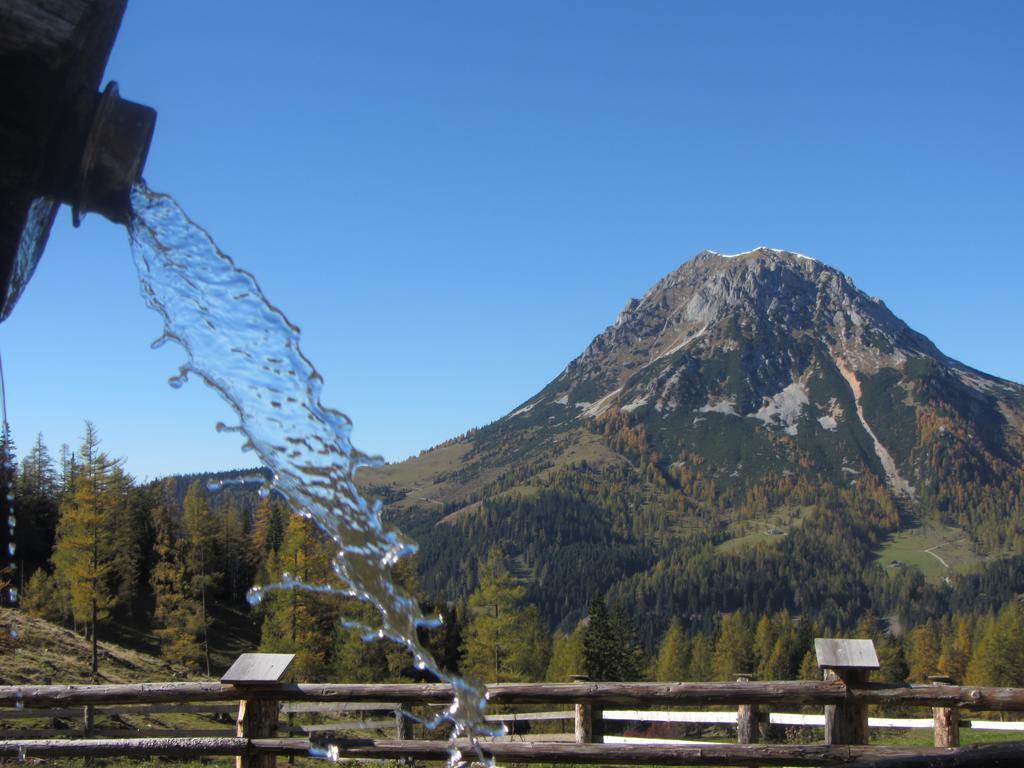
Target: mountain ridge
735, 390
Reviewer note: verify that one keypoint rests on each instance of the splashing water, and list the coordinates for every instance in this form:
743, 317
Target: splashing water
247, 350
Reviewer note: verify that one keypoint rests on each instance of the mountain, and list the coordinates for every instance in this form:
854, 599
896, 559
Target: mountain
752, 417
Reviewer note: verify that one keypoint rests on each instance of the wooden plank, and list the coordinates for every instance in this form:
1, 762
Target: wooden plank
632, 754
258, 668
728, 718
622, 695
140, 709
355, 725
834, 653
302, 707
524, 752
512, 717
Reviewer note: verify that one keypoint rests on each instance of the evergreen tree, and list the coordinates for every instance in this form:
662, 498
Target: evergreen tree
567, 658
957, 652
300, 621
701, 654
36, 497
43, 598
999, 656
673, 659
200, 535
177, 617
232, 549
924, 653
610, 649
734, 648
265, 537
501, 643
600, 644
83, 553
129, 537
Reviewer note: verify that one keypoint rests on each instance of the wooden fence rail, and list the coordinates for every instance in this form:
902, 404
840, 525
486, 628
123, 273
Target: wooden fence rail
594, 703
794, 693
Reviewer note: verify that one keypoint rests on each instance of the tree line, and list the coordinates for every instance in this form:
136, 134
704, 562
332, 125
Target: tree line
92, 545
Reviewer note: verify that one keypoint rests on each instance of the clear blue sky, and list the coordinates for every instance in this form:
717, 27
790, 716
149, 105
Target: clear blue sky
452, 199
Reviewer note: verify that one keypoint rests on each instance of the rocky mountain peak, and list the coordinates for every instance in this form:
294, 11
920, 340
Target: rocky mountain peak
767, 342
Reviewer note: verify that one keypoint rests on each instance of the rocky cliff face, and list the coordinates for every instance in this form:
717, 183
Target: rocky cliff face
771, 342
750, 433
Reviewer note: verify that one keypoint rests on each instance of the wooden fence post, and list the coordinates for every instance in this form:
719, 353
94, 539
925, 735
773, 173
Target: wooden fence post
403, 725
850, 661
88, 720
748, 731
947, 719
257, 716
589, 720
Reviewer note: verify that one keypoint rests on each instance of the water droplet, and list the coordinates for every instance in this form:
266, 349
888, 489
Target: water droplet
10, 496
11, 547
177, 381
159, 342
214, 485
18, 703
14, 634
254, 596
264, 492
13, 592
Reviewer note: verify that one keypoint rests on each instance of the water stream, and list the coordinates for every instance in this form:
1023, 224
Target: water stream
245, 348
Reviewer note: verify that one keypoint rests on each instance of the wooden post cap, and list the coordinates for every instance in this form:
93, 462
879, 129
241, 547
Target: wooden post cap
834, 653
258, 668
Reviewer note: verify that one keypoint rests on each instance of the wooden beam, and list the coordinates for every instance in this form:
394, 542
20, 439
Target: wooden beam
996, 755
630, 754
633, 695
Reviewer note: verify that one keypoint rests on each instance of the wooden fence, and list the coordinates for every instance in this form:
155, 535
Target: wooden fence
261, 712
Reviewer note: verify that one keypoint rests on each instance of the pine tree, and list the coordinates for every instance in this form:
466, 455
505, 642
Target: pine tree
176, 616
129, 537
299, 621
924, 653
673, 654
600, 645
232, 549
734, 648
501, 642
265, 537
37, 508
999, 655
567, 658
200, 536
83, 554
701, 653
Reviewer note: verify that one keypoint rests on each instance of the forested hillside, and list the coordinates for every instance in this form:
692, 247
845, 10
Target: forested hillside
166, 565
755, 434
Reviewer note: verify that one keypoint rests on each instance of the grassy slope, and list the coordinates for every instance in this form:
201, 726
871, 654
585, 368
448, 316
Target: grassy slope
46, 653
938, 550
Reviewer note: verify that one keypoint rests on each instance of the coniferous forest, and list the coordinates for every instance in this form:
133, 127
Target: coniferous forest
166, 565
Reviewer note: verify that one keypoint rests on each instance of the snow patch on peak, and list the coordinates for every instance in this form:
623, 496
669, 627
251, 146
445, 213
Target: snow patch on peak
726, 406
784, 408
602, 405
563, 400
521, 411
635, 404
779, 251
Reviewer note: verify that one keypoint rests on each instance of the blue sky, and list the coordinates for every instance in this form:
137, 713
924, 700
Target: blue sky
451, 199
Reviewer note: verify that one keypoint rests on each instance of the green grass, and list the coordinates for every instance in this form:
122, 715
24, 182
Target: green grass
924, 545
924, 737
771, 529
